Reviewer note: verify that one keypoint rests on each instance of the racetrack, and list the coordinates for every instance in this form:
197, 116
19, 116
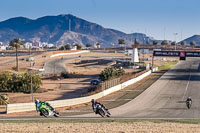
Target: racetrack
166, 97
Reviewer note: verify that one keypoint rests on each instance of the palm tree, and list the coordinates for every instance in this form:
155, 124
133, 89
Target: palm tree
16, 43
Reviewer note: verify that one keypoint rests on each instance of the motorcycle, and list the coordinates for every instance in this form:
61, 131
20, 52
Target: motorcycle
102, 111
188, 104
46, 111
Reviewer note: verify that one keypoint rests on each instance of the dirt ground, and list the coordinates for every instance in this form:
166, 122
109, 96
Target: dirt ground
64, 88
89, 66
112, 127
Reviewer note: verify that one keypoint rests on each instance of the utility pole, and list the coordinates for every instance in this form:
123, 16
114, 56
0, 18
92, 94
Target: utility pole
30, 59
175, 34
69, 24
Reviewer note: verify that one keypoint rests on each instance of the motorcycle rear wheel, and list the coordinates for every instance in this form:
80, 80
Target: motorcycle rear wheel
189, 104
44, 112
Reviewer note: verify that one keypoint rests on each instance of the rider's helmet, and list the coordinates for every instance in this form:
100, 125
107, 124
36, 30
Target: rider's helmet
36, 101
93, 101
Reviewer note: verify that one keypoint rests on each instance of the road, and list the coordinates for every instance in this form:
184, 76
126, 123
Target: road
56, 66
166, 97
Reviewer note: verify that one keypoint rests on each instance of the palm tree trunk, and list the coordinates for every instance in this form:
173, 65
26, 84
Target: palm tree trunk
16, 59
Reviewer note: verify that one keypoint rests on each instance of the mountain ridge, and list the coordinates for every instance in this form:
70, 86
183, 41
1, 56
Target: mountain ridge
62, 29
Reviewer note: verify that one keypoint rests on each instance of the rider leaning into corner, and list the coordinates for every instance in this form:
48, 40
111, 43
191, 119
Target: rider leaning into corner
38, 103
189, 99
95, 105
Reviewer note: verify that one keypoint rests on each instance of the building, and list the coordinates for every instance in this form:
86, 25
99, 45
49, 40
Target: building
2, 48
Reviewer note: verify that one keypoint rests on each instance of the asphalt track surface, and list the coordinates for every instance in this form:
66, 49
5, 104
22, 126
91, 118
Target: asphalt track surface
56, 66
166, 97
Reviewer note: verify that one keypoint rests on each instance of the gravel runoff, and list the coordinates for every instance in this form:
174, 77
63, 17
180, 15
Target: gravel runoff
113, 127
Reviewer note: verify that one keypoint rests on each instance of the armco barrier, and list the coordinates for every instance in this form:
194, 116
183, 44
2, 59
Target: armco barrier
22, 107
60, 54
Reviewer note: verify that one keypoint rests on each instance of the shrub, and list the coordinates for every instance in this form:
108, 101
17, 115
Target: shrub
19, 82
110, 72
65, 74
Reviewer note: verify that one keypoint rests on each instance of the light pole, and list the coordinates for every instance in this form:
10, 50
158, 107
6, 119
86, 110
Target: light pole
30, 59
31, 83
175, 34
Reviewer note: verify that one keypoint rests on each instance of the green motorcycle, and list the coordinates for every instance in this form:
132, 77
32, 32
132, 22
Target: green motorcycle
46, 110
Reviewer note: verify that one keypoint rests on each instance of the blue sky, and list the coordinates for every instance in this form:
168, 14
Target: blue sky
157, 18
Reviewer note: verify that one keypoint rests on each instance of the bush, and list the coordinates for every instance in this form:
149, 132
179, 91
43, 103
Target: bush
19, 82
111, 72
65, 74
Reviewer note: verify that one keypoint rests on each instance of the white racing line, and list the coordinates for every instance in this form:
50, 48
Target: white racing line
187, 86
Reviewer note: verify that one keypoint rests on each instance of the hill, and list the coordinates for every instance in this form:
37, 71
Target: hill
63, 29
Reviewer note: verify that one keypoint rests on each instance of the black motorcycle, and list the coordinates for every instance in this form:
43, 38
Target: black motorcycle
102, 111
188, 104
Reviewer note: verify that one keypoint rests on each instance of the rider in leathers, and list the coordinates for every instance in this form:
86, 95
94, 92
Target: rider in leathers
95, 105
189, 99
38, 103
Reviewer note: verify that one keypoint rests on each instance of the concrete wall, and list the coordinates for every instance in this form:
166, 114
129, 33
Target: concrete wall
22, 107
61, 54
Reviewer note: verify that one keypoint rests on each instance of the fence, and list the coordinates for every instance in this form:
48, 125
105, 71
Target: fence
109, 84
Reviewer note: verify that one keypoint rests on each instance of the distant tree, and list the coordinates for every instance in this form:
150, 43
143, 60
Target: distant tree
147, 42
19, 82
183, 43
136, 42
192, 44
173, 43
164, 42
66, 47
79, 47
16, 43
111, 72
88, 45
121, 41
155, 42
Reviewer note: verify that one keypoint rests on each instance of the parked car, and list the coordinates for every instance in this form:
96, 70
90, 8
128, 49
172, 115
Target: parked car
95, 81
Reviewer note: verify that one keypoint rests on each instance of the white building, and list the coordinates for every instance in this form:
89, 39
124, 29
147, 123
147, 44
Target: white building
2, 48
28, 45
46, 45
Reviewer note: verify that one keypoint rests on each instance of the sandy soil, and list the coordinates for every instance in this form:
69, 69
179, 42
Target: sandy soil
88, 66
58, 89
113, 127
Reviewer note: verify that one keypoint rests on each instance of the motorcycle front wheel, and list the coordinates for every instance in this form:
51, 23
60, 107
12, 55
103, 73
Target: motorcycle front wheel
56, 114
